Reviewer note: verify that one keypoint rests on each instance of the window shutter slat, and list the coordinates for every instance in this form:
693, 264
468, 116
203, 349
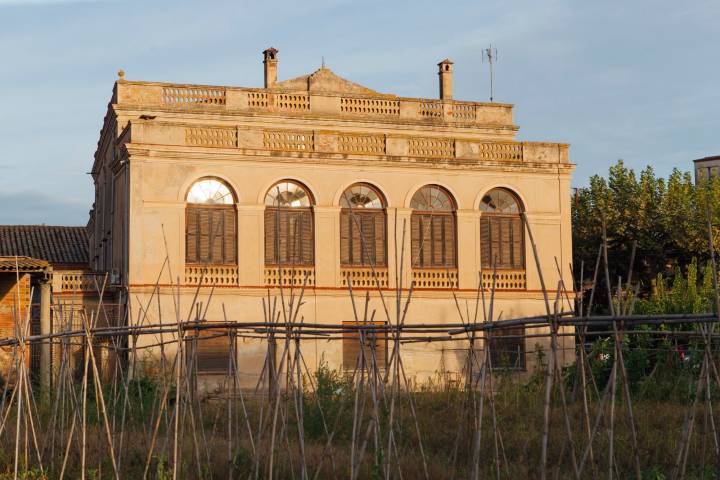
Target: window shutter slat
356, 256
518, 243
450, 254
230, 236
485, 249
494, 242
345, 242
191, 235
270, 254
307, 236
204, 235
212, 354
415, 240
380, 238
367, 239
216, 235
505, 259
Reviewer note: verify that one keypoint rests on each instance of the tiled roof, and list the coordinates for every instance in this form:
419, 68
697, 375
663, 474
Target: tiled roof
57, 245
22, 264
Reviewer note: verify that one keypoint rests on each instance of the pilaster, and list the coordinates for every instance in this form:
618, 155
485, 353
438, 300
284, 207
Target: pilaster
251, 244
327, 246
468, 248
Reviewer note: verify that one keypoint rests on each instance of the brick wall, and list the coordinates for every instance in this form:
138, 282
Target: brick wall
9, 312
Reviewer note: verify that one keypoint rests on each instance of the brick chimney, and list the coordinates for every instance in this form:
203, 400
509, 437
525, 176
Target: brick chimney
445, 73
270, 63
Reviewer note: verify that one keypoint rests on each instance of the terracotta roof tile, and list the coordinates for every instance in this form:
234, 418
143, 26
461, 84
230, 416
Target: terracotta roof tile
56, 244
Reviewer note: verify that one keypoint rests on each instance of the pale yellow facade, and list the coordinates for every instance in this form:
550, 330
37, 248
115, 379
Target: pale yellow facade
328, 134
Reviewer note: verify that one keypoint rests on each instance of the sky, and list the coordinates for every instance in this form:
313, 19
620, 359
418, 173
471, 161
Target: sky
633, 80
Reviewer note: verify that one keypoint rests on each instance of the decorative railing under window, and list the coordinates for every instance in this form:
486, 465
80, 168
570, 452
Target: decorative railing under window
434, 278
505, 280
288, 276
211, 275
364, 277
193, 96
287, 140
83, 281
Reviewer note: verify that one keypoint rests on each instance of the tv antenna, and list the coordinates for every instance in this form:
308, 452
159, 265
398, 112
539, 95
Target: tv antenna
490, 55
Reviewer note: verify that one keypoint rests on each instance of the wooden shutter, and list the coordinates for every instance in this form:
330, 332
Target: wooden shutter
212, 354
518, 243
356, 253
191, 235
380, 238
494, 242
485, 248
351, 347
450, 254
415, 240
270, 251
203, 235
307, 237
216, 235
505, 255
229, 236
367, 239
345, 241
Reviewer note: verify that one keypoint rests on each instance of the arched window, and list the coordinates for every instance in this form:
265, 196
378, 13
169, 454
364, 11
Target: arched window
289, 230
210, 224
362, 227
433, 228
501, 231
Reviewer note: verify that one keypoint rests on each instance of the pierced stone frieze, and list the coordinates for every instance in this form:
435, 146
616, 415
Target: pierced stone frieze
257, 100
211, 137
193, 96
464, 112
430, 109
372, 144
292, 102
289, 141
370, 106
431, 147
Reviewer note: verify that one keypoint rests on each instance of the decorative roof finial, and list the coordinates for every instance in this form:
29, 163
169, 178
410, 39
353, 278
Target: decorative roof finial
322, 65
121, 74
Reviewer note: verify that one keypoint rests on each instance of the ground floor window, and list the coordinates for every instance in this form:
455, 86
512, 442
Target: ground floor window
210, 351
507, 348
373, 349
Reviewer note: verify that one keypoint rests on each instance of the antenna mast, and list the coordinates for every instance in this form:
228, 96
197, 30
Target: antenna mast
490, 54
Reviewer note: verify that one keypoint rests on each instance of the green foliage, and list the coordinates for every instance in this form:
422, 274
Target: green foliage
667, 219
332, 390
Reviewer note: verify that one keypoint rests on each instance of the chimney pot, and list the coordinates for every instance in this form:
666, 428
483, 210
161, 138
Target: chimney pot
445, 72
270, 62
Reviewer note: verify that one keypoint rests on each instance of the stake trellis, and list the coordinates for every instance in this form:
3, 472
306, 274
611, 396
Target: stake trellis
378, 424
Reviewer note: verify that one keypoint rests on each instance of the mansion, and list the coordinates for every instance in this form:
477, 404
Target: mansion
320, 183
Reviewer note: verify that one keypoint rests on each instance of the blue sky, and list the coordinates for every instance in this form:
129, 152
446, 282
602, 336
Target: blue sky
636, 80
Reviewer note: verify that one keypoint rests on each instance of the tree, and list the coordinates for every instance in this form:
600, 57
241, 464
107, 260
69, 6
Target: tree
666, 220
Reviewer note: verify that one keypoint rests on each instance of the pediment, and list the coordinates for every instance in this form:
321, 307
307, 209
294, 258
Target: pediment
326, 81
